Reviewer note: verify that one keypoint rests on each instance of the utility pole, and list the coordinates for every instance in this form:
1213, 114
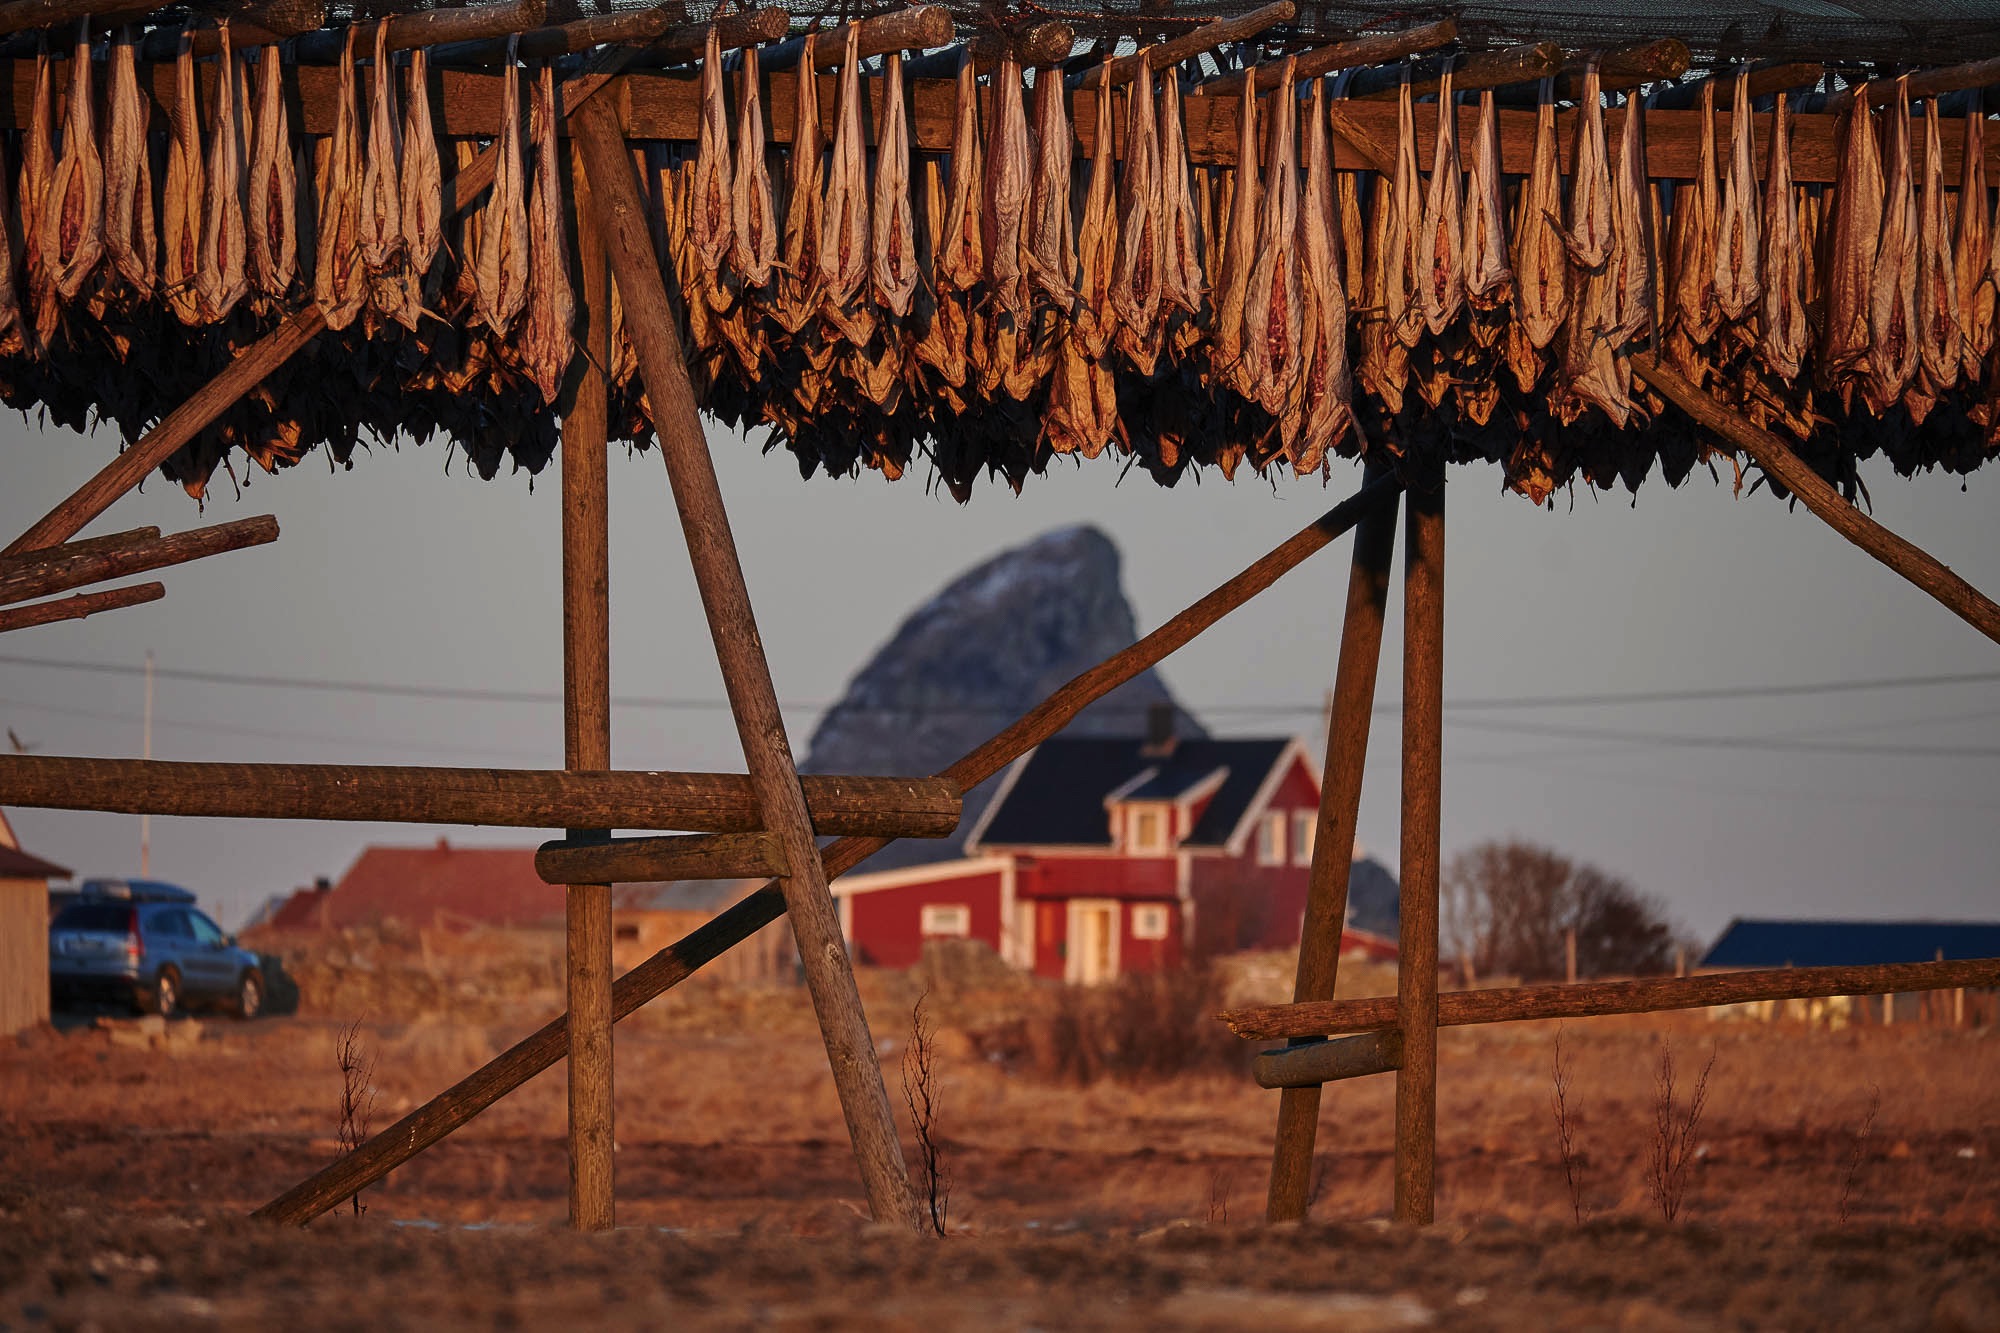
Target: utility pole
146, 821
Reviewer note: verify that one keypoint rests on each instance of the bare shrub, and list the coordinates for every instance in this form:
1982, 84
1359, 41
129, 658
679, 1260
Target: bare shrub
1858, 1152
357, 1095
921, 1094
1674, 1127
1218, 1197
1564, 1079
1145, 1025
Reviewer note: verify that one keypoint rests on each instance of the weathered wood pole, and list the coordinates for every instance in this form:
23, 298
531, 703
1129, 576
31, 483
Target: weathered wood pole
1789, 470
1423, 746
79, 606
615, 203
26, 577
586, 617
1339, 810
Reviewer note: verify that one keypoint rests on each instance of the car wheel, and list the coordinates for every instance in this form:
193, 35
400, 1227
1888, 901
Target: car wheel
166, 993
250, 995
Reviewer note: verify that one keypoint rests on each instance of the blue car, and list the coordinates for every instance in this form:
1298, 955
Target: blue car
145, 944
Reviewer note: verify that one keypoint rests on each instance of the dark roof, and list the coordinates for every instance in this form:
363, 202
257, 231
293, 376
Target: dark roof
1169, 784
1850, 943
17, 864
1057, 797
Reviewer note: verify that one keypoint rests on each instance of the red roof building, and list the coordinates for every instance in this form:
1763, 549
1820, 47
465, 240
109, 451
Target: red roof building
1099, 856
436, 886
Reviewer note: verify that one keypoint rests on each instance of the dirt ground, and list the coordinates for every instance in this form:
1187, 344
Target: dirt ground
1840, 1178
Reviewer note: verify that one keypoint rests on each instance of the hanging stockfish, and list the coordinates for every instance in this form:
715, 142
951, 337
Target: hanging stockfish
1273, 345
1489, 280
1385, 361
1892, 295
1407, 264
1097, 239
544, 346
1328, 388
1051, 255
1691, 241
1181, 283
1008, 186
713, 215
15, 336
1595, 369
501, 278
129, 239
843, 235
384, 251
72, 215
180, 212
1442, 295
224, 277
937, 309
1784, 337
1238, 253
1737, 284
1589, 238
1857, 232
271, 218
799, 277
753, 213
961, 263
1083, 396
340, 284
38, 166
422, 185
1541, 278
1940, 345
1972, 248
1142, 254
1631, 260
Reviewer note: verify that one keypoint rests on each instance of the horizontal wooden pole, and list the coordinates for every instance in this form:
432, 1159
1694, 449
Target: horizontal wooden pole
1595, 999
1764, 81
1923, 83
639, 860
1775, 456
1197, 41
1046, 43
458, 1104
1329, 1061
1378, 49
76, 608
1487, 69
917, 28
26, 577
110, 542
502, 797
426, 27
665, 39
22, 15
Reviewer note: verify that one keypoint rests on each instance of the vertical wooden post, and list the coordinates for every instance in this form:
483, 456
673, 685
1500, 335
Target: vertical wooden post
1569, 955
746, 676
1423, 745
587, 730
1352, 708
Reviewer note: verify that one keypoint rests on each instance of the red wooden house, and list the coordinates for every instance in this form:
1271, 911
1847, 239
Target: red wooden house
1101, 855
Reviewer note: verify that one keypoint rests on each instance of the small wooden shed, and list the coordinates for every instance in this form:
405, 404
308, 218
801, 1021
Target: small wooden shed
646, 918
24, 933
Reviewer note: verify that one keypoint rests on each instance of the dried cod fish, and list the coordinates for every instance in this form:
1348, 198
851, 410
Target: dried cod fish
422, 184
1737, 284
15, 335
1784, 337
961, 258
938, 312
1009, 184
1273, 343
798, 296
544, 346
72, 217
223, 278
1181, 283
1844, 355
753, 211
1973, 247
1489, 280
339, 283
713, 228
1541, 275
1405, 271
1051, 254
500, 287
1385, 361
1892, 294
1630, 262
1238, 251
843, 235
180, 211
384, 252
129, 239
1691, 244
1097, 244
1443, 291
271, 241
1940, 346
1589, 238
1142, 252
1328, 387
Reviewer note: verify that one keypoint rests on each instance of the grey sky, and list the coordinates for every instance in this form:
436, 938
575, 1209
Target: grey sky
397, 572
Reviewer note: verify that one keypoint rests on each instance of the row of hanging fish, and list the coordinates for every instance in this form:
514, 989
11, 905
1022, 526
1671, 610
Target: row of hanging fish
1001, 304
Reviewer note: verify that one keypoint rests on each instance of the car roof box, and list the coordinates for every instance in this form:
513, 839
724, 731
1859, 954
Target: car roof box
137, 890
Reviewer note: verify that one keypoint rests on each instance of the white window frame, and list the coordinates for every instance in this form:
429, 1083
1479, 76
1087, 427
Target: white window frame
1273, 834
1151, 921
1305, 834
931, 927
1135, 817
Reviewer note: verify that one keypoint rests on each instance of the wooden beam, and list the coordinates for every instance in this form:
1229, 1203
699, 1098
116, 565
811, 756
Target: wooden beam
917, 28
586, 637
460, 1103
424, 27
1597, 999
1194, 42
1488, 69
1923, 83
1044, 44
24, 578
76, 608
1417, 930
502, 797
22, 15
642, 860
1790, 471
110, 542
1623, 67
1303, 1068
1333, 840
1378, 49
746, 675
658, 29
1764, 81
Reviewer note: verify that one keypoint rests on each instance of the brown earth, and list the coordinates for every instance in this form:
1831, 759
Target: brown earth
128, 1160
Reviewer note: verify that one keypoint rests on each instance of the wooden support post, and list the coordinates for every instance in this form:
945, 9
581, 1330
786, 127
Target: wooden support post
458, 1104
586, 619
26, 577
1417, 960
1333, 843
1790, 471
76, 608
857, 1074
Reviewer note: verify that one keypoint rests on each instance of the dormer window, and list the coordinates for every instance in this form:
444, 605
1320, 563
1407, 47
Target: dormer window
1146, 830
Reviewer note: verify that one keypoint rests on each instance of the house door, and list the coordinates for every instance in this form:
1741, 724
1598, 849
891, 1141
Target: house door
1093, 941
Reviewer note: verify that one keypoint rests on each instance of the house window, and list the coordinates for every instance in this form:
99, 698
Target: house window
1271, 839
1305, 829
1150, 921
953, 919
1148, 830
